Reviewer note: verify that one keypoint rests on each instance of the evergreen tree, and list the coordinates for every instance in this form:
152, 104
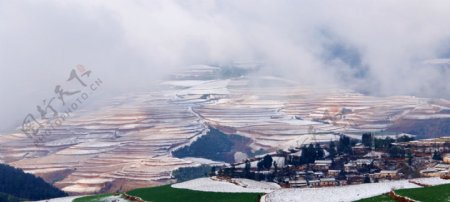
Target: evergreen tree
367, 139
333, 164
189, 173
15, 183
312, 154
267, 162
332, 150
344, 145
304, 157
437, 156
396, 152
319, 152
260, 165
410, 158
405, 138
384, 143
247, 168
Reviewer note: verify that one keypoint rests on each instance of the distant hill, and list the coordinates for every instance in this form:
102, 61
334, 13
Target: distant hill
16, 185
423, 128
216, 145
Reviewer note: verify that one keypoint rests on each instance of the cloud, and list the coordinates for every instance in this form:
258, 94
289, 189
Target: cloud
376, 47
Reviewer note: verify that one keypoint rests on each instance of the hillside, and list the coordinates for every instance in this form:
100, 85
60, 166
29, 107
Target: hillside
426, 128
215, 145
132, 140
9, 198
16, 185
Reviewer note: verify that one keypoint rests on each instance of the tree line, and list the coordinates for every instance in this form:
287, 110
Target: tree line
14, 183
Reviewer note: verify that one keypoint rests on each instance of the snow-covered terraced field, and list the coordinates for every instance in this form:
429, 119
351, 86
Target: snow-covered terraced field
127, 142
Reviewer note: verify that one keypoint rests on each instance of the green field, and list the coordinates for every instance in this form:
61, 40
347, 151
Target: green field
427, 194
92, 198
423, 194
168, 194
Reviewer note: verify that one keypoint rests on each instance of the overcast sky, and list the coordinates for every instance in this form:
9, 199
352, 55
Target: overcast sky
377, 47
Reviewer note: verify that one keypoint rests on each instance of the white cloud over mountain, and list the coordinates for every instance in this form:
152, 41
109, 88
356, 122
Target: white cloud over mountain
372, 46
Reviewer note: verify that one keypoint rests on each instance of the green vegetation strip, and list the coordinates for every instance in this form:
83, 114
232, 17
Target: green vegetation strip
426, 194
168, 194
93, 198
423, 194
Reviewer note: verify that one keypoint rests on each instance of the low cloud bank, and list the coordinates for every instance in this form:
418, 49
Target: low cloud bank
377, 47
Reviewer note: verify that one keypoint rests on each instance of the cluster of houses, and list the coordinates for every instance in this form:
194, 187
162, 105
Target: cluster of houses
423, 149
363, 165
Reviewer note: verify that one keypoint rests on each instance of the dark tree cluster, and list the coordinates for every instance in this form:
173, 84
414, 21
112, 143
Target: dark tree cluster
14, 183
309, 154
312, 153
396, 152
385, 143
189, 173
332, 150
405, 138
215, 146
344, 145
265, 163
367, 139
437, 156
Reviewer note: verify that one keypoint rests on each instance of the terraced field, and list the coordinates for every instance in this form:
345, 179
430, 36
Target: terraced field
127, 143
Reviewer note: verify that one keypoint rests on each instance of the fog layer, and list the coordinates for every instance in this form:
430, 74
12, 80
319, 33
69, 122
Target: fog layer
376, 47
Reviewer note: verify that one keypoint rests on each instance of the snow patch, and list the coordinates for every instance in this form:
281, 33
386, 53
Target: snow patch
432, 181
61, 199
344, 193
204, 161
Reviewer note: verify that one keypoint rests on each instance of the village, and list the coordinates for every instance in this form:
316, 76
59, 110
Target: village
347, 161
